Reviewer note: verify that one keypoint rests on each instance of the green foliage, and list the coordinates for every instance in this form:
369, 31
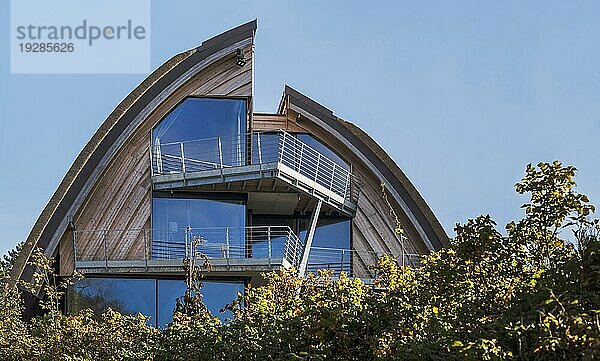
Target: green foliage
526, 293
83, 337
13, 331
8, 260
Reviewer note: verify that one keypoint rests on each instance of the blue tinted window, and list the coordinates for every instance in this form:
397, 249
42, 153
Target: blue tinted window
216, 295
201, 118
265, 147
150, 297
209, 132
126, 295
168, 292
331, 245
323, 149
221, 223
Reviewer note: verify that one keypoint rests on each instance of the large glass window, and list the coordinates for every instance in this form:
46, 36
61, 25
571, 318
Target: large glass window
208, 132
331, 244
151, 297
201, 118
220, 222
126, 295
216, 295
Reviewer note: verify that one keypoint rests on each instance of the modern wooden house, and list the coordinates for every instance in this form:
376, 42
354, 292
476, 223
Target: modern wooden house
184, 157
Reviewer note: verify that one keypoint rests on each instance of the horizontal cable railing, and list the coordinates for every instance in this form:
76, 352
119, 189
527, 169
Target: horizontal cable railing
256, 242
253, 149
264, 242
353, 262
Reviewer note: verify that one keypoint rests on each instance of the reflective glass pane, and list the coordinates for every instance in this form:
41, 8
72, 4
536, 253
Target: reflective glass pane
331, 245
216, 294
126, 295
201, 118
201, 133
323, 149
168, 292
220, 223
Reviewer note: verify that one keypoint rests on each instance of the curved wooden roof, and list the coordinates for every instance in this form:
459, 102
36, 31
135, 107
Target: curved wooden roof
111, 135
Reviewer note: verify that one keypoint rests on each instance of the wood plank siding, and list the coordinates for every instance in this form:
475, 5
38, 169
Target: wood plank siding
122, 196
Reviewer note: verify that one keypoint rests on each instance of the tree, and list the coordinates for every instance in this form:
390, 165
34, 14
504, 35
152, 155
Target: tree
530, 292
8, 260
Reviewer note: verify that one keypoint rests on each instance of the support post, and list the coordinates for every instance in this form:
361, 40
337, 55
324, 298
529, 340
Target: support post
220, 153
317, 169
346, 187
309, 238
259, 147
159, 164
269, 241
188, 250
182, 158
145, 247
300, 158
332, 177
227, 244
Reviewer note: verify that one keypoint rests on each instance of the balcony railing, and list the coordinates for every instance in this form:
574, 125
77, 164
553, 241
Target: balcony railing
258, 245
255, 149
266, 243
353, 262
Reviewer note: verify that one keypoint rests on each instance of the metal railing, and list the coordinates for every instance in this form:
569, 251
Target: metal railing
353, 262
266, 243
253, 149
257, 242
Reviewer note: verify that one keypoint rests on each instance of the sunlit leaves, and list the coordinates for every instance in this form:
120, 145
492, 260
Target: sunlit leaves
528, 293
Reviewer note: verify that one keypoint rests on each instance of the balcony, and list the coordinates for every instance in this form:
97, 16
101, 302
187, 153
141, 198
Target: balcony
353, 262
245, 251
248, 249
254, 157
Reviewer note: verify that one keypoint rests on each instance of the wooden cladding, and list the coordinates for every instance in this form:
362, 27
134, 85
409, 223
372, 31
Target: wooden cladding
122, 196
273, 122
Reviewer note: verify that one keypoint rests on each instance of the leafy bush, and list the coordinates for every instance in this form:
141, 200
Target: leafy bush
531, 292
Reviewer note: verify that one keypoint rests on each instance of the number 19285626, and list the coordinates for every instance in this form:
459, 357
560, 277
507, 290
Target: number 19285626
46, 47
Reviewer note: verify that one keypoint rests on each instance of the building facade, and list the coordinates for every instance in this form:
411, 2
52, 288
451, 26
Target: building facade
184, 167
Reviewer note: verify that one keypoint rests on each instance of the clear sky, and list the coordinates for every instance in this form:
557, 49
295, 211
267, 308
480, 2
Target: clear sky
462, 95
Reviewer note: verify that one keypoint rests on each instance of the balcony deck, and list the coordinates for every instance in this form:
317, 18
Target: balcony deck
246, 252
246, 266
275, 155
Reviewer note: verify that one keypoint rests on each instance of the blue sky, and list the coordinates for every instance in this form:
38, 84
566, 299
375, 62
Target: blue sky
462, 95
